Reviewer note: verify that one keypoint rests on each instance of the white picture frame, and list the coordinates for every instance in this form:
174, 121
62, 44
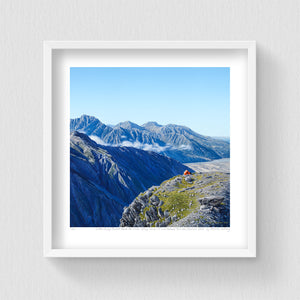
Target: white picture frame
52, 161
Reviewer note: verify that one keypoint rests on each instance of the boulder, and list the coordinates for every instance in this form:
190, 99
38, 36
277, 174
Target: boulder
216, 201
178, 179
188, 179
212, 201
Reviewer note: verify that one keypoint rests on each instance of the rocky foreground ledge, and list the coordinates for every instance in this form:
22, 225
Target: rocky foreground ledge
196, 200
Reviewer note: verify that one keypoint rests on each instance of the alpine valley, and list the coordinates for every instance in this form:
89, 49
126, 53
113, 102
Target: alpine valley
132, 175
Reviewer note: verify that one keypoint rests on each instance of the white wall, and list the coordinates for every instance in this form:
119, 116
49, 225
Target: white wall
25, 274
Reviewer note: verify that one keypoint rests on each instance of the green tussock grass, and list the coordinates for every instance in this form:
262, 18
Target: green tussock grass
178, 203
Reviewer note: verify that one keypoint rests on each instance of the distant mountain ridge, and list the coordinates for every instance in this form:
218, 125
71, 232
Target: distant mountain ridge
105, 179
175, 141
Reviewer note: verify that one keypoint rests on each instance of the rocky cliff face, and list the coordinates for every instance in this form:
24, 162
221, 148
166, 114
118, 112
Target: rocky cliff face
197, 200
177, 142
89, 125
104, 179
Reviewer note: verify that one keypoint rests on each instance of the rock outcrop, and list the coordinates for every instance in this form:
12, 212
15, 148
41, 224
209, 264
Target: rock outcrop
197, 200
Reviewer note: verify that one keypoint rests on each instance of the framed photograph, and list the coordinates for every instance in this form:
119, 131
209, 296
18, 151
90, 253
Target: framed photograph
149, 149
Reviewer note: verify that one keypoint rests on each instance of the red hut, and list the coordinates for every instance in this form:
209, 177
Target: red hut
186, 172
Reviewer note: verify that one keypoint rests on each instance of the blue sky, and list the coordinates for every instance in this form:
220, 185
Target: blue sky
195, 97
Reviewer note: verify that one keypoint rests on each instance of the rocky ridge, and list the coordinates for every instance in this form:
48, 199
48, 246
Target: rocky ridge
196, 200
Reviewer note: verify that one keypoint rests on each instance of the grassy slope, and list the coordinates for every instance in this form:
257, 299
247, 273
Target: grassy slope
181, 202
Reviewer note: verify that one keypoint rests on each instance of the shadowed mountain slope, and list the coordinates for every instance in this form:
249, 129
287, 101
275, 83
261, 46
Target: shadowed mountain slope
104, 179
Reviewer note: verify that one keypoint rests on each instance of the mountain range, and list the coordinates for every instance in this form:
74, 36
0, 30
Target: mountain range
105, 179
175, 141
